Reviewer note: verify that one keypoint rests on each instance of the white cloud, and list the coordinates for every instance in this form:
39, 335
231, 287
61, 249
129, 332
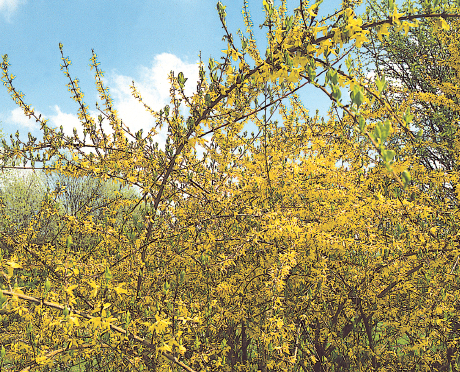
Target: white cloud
371, 75
8, 7
68, 122
129, 109
158, 74
17, 117
153, 86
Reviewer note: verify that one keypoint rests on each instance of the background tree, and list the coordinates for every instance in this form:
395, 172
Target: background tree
21, 193
421, 71
417, 65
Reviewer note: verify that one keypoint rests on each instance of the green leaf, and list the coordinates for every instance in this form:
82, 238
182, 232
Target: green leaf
107, 274
244, 43
69, 242
362, 124
334, 77
190, 123
336, 94
181, 80
391, 5
408, 117
357, 96
381, 84
386, 129
406, 178
420, 134
312, 72
331, 76
382, 131
47, 285
207, 99
287, 60
166, 287
268, 7
388, 155
221, 10
349, 64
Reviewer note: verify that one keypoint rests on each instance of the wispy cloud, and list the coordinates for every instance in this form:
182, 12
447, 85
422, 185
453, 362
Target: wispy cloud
67, 121
8, 7
20, 121
153, 84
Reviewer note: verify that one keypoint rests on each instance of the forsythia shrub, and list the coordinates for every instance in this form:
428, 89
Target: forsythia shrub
303, 246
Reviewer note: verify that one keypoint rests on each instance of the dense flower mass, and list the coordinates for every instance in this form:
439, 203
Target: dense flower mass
310, 244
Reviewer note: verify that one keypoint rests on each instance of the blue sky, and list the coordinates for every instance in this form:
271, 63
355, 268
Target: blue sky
136, 40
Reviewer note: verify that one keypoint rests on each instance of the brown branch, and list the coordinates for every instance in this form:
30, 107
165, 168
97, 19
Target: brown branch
54, 353
131, 336
393, 284
388, 20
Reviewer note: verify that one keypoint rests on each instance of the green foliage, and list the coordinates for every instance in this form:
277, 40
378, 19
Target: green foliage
21, 193
418, 66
